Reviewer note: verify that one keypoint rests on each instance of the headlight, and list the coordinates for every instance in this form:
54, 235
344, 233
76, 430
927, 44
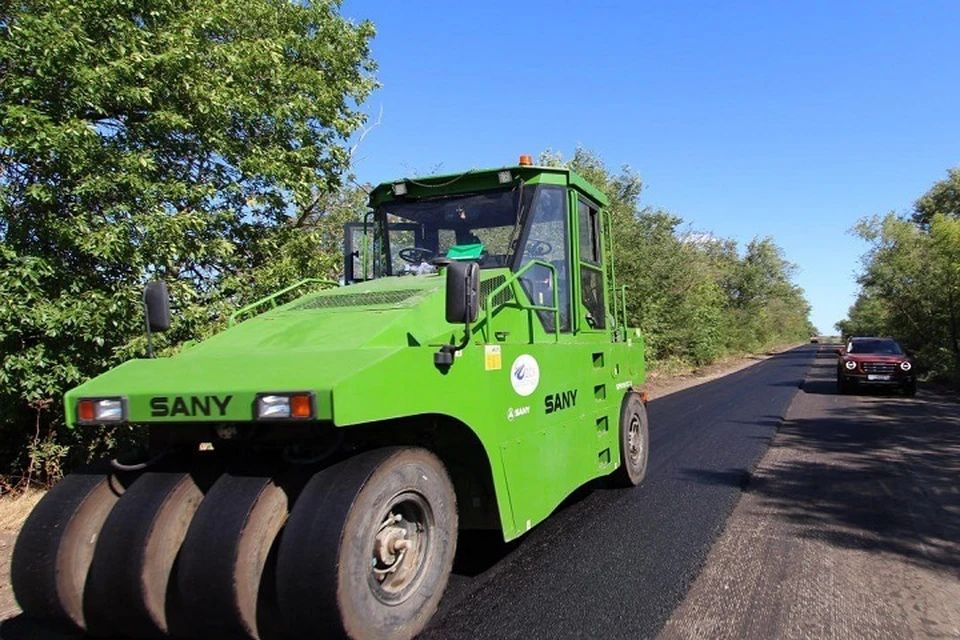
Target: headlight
850, 365
906, 366
97, 410
285, 406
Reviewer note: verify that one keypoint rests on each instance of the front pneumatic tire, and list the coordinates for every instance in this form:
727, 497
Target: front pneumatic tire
634, 442
369, 546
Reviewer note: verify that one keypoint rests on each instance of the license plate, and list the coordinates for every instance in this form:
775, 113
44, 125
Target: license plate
877, 376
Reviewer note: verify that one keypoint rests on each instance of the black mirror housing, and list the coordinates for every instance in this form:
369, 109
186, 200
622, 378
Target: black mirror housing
156, 303
463, 292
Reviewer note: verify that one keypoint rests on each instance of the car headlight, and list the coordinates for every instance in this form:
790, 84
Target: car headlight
850, 365
285, 406
99, 410
906, 366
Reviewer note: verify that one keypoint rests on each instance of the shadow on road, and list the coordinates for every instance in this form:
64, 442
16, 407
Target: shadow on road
879, 472
24, 628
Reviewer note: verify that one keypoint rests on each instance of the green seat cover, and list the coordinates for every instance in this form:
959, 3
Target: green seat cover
465, 251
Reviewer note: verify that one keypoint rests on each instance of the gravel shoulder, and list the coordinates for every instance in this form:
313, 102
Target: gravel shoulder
848, 528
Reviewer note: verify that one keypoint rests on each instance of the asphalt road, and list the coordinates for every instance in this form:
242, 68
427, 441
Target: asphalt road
849, 528
615, 563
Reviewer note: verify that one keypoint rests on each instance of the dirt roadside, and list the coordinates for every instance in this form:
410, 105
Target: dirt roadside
13, 511
848, 528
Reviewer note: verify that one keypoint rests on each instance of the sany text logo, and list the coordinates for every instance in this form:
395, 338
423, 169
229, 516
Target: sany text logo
517, 412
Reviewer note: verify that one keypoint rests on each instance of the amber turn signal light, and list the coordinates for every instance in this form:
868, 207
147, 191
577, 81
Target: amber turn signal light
301, 407
86, 411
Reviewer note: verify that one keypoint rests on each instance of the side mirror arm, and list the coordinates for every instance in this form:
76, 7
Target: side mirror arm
444, 357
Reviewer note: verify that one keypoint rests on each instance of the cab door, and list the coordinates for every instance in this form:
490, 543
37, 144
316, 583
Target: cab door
591, 312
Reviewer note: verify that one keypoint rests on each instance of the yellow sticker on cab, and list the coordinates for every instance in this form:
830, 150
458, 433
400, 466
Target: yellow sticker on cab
492, 359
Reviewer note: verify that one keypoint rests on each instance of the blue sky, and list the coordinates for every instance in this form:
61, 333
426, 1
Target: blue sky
789, 120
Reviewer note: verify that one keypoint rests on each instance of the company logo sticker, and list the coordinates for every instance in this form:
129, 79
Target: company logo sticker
624, 385
525, 374
517, 412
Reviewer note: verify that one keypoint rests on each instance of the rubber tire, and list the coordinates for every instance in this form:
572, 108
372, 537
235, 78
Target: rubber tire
910, 389
130, 574
224, 587
52, 555
324, 564
843, 388
632, 471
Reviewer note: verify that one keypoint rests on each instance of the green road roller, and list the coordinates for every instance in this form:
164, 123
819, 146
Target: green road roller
307, 470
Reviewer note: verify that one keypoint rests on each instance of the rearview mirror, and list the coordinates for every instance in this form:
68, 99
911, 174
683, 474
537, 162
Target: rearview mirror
841, 351
156, 304
463, 292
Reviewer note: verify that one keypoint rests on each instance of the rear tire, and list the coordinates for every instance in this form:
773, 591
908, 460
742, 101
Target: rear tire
634, 442
55, 547
369, 547
130, 574
223, 574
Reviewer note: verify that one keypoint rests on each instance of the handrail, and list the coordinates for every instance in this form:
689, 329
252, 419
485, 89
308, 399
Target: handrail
488, 310
272, 298
623, 297
610, 257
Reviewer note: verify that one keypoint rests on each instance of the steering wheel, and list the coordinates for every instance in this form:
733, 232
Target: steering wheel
415, 255
538, 248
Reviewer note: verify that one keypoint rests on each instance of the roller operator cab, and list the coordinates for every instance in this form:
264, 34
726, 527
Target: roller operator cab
474, 370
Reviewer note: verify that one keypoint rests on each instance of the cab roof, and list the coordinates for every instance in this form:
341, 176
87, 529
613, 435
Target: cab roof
483, 179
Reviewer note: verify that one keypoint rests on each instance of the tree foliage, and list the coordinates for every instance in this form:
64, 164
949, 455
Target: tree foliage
693, 295
192, 140
943, 198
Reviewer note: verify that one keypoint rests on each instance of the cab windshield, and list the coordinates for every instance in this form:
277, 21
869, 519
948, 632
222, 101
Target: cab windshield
884, 347
480, 226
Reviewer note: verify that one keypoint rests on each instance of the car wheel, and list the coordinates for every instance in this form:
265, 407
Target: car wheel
910, 389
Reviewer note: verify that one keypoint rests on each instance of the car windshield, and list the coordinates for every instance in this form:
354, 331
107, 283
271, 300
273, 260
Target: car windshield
481, 226
885, 347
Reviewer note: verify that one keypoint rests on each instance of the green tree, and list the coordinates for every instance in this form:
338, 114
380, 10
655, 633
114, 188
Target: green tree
692, 295
943, 198
910, 288
869, 315
187, 140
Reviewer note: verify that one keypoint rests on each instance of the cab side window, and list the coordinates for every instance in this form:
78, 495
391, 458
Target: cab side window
591, 272
589, 233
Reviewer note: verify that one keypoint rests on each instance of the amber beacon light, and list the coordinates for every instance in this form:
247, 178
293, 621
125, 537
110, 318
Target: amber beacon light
526, 161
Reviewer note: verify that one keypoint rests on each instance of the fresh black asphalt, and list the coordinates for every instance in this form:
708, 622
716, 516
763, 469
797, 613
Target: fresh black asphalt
614, 563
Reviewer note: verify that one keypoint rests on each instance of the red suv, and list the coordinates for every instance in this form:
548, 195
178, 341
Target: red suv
877, 362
